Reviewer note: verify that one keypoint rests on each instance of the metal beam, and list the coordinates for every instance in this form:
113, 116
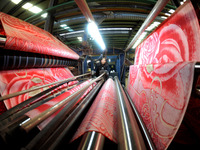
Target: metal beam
82, 4
48, 26
153, 14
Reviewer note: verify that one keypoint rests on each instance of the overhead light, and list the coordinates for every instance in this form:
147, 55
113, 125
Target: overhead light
63, 25
80, 39
69, 33
167, 14
35, 9
182, 3
27, 5
66, 27
71, 30
44, 15
16, 1
171, 11
94, 33
163, 17
156, 23
109, 60
106, 29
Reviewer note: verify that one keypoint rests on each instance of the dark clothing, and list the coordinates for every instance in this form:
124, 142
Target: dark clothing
100, 67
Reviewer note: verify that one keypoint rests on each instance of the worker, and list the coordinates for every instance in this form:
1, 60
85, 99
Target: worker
102, 66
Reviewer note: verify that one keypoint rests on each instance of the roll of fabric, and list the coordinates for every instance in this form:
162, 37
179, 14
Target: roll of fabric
102, 116
23, 60
12, 81
23, 36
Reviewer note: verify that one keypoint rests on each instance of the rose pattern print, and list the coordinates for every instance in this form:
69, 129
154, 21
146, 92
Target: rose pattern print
35, 112
160, 81
17, 80
102, 114
176, 40
23, 36
162, 100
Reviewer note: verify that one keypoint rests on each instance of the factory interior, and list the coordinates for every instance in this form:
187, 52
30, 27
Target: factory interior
99, 74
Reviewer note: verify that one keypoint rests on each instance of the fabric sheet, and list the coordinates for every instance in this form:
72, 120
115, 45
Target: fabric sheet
35, 112
12, 81
175, 40
102, 114
161, 94
22, 60
160, 81
23, 36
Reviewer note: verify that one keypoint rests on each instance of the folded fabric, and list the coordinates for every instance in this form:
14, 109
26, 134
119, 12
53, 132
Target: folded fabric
101, 117
12, 81
23, 36
35, 112
161, 93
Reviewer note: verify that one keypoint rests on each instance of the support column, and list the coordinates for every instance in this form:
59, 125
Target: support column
48, 26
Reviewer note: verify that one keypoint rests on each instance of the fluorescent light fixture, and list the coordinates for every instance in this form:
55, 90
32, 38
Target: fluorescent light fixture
16, 1
171, 11
107, 29
80, 38
182, 3
167, 14
44, 15
27, 5
142, 36
66, 27
63, 25
35, 9
156, 23
163, 17
109, 60
94, 33
69, 33
71, 30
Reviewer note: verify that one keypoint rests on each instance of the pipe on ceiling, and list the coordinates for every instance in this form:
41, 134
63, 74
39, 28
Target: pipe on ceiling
116, 15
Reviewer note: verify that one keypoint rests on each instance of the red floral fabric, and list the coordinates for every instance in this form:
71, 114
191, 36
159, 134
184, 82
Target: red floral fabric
160, 82
17, 80
102, 114
161, 95
35, 112
23, 36
175, 40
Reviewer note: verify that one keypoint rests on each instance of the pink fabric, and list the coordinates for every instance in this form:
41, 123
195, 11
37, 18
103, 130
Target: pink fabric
162, 98
102, 114
17, 80
175, 40
23, 36
35, 112
160, 82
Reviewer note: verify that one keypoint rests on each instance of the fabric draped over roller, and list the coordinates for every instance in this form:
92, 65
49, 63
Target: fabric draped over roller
160, 81
102, 114
23, 36
12, 81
